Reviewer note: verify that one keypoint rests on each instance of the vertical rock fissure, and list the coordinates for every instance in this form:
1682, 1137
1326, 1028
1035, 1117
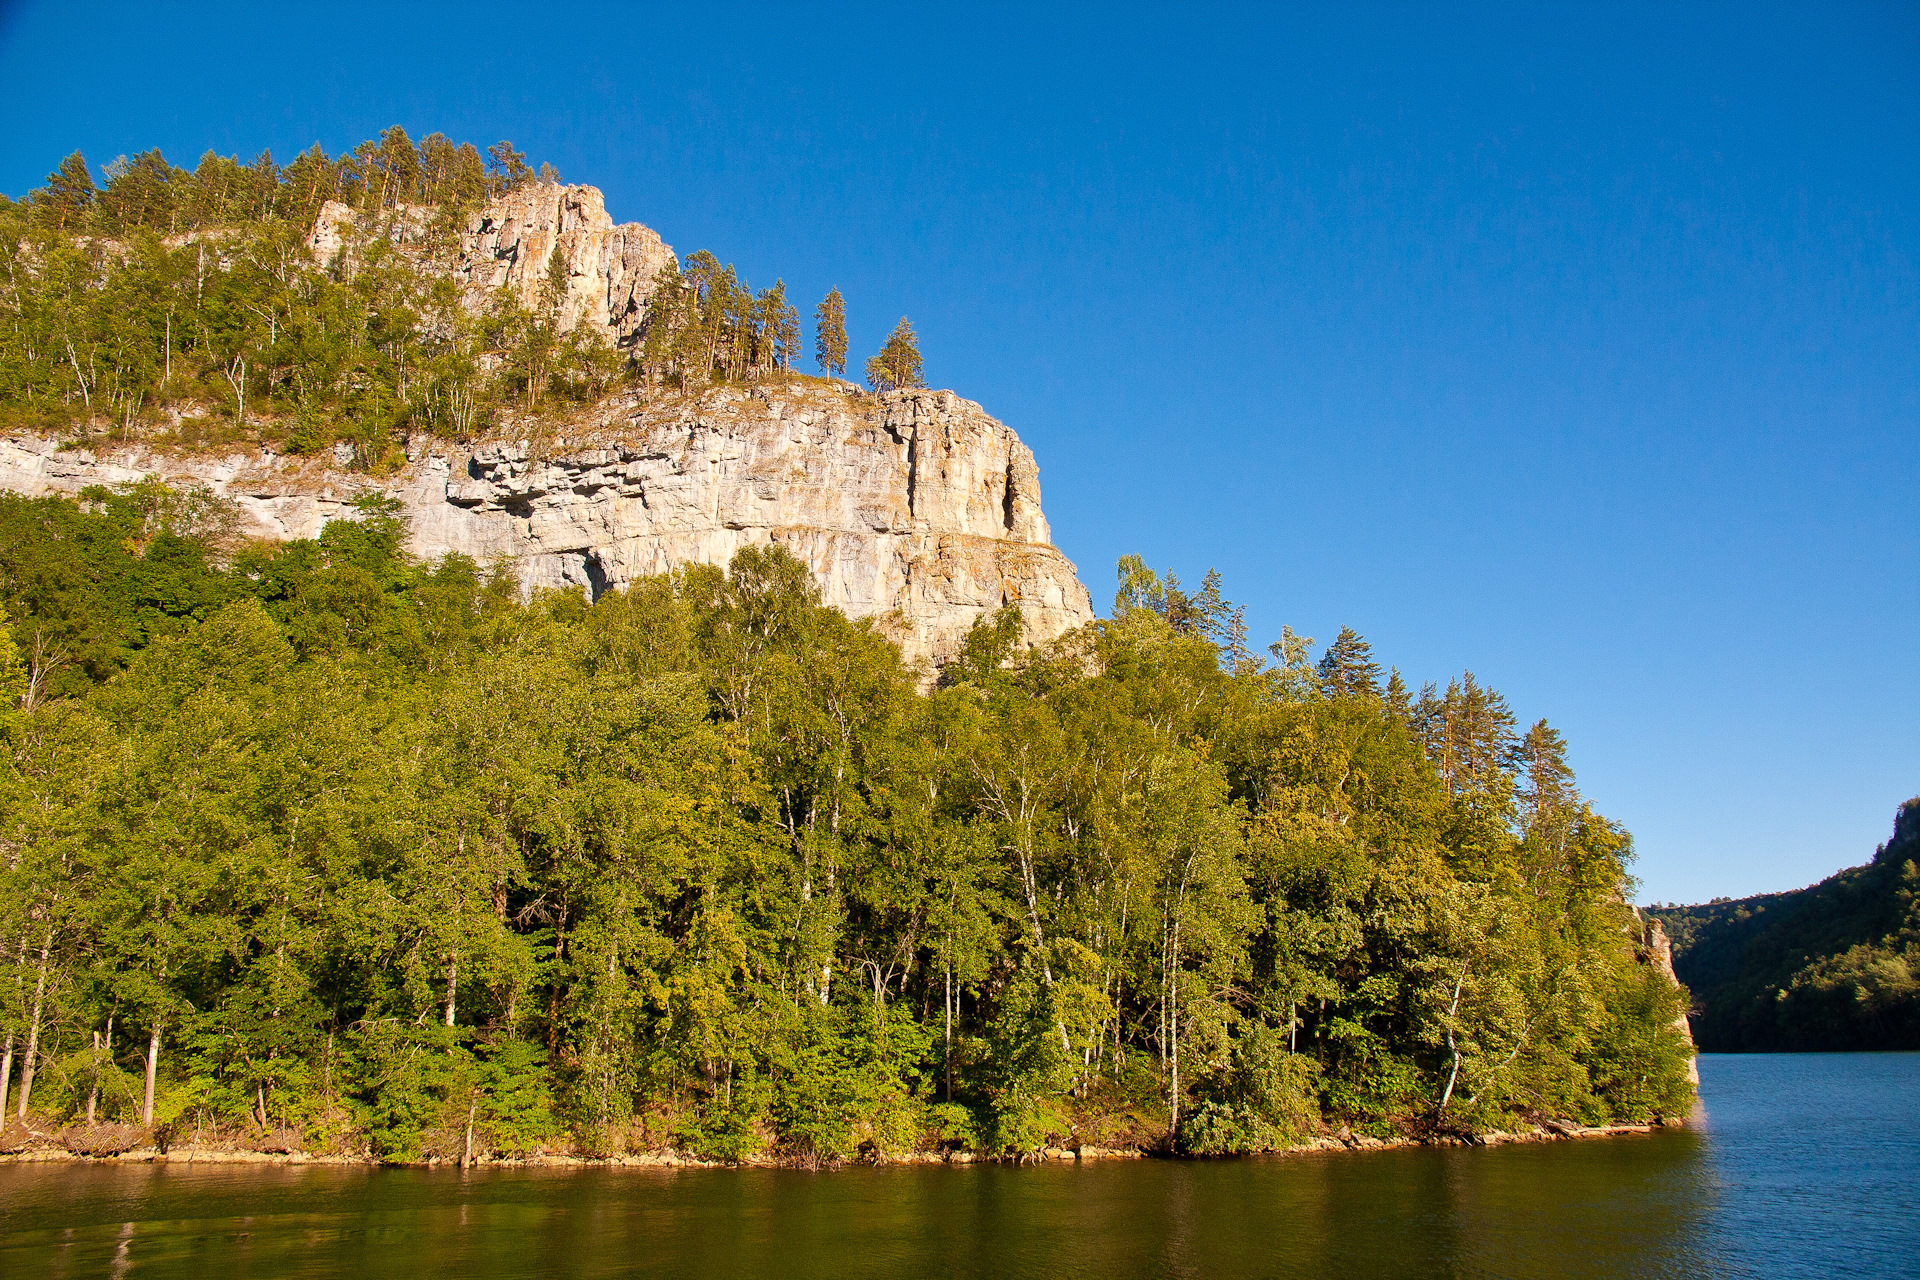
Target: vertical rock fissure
913, 468
598, 580
1006, 500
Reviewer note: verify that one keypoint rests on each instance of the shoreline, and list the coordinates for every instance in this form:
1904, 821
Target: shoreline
667, 1158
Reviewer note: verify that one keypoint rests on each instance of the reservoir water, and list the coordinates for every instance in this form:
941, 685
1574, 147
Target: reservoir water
1801, 1165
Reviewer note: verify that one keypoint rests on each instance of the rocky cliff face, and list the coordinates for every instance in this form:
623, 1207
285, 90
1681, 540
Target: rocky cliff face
509, 243
1659, 953
913, 508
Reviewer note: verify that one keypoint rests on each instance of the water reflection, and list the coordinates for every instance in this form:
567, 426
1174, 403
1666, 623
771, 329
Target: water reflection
1757, 1192
1597, 1209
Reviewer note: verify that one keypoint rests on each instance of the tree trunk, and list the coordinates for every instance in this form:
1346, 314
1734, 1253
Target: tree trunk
453, 971
33, 1025
466, 1150
553, 995
949, 1054
1173, 1019
1452, 1010
1029, 885
6, 1074
93, 1092
153, 1071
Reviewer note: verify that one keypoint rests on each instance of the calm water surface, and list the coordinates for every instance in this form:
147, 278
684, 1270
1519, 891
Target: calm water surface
1803, 1165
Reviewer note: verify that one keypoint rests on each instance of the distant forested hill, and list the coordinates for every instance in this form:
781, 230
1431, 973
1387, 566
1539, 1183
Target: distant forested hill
1833, 966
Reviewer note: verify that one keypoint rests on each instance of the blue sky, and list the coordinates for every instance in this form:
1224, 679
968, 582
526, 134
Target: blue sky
1580, 348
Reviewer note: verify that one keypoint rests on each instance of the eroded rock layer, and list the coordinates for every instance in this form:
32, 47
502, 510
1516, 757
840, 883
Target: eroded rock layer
912, 508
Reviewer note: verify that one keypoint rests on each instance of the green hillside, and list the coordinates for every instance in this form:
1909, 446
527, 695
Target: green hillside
1833, 966
313, 845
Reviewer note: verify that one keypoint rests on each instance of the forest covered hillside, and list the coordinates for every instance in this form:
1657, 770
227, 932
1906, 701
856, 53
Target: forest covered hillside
318, 845
357, 300
528, 379
1832, 966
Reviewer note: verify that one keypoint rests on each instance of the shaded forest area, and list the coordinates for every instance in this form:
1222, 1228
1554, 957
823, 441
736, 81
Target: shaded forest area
1830, 967
309, 846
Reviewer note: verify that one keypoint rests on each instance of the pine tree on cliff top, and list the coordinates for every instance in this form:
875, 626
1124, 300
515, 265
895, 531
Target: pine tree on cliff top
830, 334
898, 364
782, 326
68, 195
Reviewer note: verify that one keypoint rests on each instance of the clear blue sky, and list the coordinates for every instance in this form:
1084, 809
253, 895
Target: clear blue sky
1580, 348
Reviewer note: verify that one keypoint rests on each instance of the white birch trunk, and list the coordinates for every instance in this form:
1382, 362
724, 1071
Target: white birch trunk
153, 1071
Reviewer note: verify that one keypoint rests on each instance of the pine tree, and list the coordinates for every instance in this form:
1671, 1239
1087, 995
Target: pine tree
507, 166
400, 174
263, 187
897, 367
666, 321
553, 290
1549, 783
310, 181
1474, 741
140, 192
1399, 702
1348, 669
69, 193
783, 326
830, 334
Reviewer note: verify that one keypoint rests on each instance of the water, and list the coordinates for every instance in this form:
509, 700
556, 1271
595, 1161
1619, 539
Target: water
1802, 1165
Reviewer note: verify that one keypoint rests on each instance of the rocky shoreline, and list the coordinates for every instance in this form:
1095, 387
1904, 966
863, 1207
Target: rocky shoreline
52, 1148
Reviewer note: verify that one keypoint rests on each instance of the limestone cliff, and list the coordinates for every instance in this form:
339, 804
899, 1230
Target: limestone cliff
913, 508
1658, 950
508, 244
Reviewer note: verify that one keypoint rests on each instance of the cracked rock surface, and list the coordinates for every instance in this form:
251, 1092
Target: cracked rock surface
914, 508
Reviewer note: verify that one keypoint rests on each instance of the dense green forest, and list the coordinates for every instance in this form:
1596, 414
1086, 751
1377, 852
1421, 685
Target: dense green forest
310, 845
185, 306
1832, 966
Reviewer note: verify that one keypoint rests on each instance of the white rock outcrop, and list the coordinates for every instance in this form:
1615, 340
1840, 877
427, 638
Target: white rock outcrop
509, 244
913, 508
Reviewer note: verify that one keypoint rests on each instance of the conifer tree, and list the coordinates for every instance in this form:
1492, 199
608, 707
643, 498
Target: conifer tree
69, 193
1549, 779
310, 181
140, 192
554, 289
507, 166
783, 326
897, 367
1399, 702
400, 172
830, 334
1348, 669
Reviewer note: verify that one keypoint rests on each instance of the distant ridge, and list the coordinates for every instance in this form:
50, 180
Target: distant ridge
1832, 966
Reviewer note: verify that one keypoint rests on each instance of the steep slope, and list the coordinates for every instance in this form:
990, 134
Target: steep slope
1832, 966
914, 508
